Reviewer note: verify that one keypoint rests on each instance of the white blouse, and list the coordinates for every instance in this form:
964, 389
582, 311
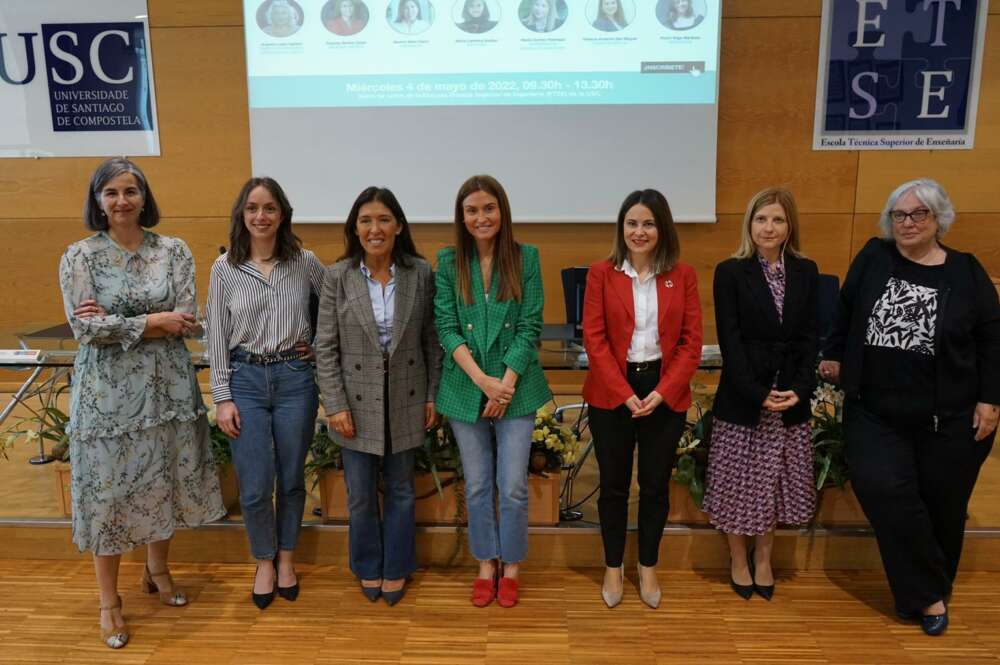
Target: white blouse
645, 345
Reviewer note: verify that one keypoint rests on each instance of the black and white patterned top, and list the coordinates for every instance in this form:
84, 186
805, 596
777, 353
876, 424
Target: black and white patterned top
899, 369
904, 318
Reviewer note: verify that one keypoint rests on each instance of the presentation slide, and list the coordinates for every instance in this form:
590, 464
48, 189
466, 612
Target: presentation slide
404, 74
472, 52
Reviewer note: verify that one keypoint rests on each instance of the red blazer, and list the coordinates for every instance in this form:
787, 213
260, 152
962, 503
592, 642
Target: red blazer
608, 323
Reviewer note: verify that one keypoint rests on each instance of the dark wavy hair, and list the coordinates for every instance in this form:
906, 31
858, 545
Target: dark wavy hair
94, 217
668, 246
403, 251
287, 244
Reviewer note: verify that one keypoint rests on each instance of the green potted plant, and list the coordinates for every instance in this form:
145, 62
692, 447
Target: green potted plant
223, 456
835, 502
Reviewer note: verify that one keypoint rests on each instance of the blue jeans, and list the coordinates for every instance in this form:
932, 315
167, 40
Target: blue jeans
488, 539
381, 546
277, 405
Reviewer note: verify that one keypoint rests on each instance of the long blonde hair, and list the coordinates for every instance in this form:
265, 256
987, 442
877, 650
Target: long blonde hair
766, 197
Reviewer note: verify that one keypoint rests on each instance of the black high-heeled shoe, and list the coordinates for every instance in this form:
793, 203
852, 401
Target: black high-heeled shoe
744, 591
289, 593
765, 592
262, 600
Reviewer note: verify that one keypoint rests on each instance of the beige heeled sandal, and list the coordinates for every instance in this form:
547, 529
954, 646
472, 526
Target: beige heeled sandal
118, 636
149, 584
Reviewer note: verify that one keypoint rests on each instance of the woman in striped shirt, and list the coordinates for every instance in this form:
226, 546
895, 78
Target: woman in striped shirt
264, 389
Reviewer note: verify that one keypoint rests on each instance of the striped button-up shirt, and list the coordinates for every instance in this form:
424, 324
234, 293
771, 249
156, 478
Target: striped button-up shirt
255, 314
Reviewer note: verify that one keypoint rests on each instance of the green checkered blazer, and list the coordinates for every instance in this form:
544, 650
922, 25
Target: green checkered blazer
499, 335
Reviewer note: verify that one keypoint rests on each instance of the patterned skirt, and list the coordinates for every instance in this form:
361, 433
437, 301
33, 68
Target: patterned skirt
759, 476
138, 487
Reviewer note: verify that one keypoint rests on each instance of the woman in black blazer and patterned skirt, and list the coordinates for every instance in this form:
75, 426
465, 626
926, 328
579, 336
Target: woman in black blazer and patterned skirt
761, 461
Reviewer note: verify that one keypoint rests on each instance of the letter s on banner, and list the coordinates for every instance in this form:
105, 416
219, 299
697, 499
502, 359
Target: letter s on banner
73, 61
95, 57
864, 94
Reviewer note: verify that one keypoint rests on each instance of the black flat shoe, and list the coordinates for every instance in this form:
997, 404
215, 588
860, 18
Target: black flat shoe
262, 600
744, 591
765, 592
934, 624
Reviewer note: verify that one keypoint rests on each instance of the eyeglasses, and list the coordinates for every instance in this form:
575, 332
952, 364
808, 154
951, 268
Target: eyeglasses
918, 216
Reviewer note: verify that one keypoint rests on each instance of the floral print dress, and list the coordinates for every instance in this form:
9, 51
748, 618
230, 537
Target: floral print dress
760, 476
139, 441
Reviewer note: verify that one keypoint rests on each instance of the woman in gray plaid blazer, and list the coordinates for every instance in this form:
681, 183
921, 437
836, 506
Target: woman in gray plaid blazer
378, 365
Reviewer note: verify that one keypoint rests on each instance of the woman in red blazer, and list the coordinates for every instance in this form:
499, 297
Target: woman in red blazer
642, 332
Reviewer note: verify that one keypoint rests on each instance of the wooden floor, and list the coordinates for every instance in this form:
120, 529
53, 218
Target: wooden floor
48, 615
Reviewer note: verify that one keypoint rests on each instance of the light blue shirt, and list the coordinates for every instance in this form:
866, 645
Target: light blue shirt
383, 303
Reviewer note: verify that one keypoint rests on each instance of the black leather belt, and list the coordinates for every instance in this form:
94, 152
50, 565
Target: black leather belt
645, 366
264, 358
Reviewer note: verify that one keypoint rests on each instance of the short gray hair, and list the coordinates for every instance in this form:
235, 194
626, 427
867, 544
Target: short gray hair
931, 194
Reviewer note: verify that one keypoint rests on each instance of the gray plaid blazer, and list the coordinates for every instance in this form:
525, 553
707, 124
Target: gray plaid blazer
349, 357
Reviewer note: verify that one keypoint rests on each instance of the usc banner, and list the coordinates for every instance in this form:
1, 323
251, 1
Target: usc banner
76, 79
899, 74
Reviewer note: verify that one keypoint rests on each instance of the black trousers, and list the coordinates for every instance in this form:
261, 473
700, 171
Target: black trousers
914, 485
616, 434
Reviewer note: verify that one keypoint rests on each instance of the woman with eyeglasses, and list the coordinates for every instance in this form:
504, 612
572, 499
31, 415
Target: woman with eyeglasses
915, 347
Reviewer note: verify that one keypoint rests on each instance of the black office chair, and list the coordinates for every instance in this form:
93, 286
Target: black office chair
574, 281
827, 299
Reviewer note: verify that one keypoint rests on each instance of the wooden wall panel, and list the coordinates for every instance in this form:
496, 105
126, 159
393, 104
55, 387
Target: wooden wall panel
173, 14
766, 99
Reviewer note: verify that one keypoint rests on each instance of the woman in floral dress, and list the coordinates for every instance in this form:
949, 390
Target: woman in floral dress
760, 469
139, 446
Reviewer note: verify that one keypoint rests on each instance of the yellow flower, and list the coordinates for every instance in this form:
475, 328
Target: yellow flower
211, 416
31, 435
537, 435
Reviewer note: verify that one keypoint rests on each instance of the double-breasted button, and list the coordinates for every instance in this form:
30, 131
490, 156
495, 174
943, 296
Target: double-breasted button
412, 361
507, 325
412, 392
358, 367
358, 397
468, 326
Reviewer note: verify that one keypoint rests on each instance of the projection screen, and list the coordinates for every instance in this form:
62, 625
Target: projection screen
571, 104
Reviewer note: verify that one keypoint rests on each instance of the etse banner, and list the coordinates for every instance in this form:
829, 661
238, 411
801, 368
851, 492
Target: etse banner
899, 74
76, 79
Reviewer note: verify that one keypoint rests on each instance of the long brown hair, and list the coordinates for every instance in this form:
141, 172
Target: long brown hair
668, 246
287, 245
506, 252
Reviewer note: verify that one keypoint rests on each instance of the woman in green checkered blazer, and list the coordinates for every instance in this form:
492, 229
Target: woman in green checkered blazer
488, 310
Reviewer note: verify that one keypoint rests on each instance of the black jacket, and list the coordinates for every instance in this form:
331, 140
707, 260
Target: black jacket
966, 336
757, 350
